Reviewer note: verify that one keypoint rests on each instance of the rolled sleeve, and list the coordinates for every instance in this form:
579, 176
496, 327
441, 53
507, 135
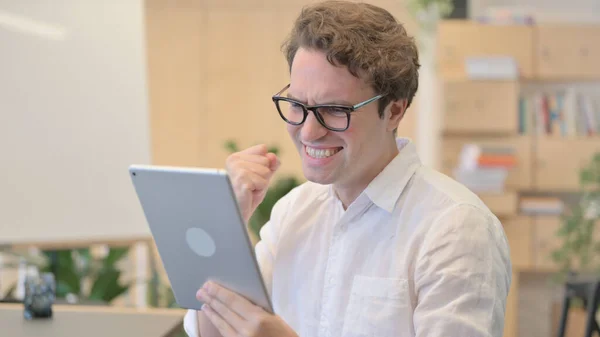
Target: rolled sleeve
462, 276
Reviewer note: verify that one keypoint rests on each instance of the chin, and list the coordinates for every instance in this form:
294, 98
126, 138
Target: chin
314, 176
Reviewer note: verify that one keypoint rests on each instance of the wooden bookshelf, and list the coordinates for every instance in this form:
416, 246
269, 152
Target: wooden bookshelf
492, 112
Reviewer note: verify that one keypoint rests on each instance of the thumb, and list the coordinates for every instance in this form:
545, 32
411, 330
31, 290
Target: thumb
275, 163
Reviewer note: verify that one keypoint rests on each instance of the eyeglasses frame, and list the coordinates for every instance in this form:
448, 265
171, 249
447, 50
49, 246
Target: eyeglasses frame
349, 109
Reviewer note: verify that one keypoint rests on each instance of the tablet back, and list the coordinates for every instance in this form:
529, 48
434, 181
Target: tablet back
195, 221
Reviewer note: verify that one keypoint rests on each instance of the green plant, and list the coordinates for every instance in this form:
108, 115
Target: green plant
442, 7
579, 247
73, 267
76, 268
427, 13
276, 191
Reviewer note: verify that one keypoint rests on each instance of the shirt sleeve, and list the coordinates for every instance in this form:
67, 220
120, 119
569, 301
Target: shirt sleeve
265, 251
190, 323
462, 276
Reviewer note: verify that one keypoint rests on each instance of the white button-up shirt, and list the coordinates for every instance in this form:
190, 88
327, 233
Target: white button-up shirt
416, 254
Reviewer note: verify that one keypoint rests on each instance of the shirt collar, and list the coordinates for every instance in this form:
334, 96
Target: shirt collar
387, 186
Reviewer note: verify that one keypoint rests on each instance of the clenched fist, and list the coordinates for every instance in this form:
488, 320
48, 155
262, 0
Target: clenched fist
250, 171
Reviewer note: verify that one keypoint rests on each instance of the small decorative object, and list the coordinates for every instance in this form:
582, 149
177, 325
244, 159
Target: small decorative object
40, 290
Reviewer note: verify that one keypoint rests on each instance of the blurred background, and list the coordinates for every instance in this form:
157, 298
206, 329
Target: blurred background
508, 104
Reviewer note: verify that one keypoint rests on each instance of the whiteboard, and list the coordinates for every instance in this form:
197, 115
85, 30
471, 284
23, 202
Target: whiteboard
73, 117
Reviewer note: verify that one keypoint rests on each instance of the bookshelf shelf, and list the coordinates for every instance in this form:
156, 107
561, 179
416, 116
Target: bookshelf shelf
593, 139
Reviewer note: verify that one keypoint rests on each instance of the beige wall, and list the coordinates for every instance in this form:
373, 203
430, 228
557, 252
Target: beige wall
213, 67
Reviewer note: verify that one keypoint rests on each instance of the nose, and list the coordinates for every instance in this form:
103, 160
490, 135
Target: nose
312, 129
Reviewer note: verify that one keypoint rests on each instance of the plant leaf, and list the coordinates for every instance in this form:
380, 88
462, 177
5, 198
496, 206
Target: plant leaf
114, 255
274, 149
586, 176
231, 146
106, 287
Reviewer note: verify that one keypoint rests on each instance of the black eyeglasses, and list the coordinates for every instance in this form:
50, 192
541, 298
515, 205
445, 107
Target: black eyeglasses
333, 117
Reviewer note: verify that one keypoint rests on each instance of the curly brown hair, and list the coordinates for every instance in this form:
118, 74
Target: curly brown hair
366, 39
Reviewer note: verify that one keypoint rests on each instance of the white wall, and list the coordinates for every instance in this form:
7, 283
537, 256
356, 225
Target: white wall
73, 117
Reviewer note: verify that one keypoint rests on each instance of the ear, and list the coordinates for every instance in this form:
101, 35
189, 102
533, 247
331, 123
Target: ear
397, 110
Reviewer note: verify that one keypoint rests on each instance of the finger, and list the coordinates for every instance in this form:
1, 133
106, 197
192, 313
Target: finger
254, 158
252, 182
224, 328
232, 318
256, 149
261, 170
233, 301
274, 161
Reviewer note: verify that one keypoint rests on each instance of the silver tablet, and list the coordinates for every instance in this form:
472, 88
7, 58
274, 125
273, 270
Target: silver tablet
200, 235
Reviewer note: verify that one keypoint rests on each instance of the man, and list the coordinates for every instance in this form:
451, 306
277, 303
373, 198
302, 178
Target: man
375, 243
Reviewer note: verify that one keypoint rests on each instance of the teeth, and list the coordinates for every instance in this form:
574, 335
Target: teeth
320, 153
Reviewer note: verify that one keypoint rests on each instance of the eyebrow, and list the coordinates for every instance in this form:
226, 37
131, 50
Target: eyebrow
335, 102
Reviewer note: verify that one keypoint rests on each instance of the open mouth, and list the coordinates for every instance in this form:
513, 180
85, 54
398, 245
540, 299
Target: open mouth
321, 153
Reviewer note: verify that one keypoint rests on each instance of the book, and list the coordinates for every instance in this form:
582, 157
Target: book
563, 113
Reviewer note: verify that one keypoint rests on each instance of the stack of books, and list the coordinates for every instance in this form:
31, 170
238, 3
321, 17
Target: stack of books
564, 113
511, 15
540, 205
484, 168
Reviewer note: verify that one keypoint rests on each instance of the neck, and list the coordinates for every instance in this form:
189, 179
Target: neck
348, 191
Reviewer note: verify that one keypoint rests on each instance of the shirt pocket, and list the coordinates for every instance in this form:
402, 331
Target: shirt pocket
377, 307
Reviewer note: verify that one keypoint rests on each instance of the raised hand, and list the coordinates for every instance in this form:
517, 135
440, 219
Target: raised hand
250, 171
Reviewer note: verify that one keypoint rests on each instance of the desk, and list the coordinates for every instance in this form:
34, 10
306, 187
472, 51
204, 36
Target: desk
91, 321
